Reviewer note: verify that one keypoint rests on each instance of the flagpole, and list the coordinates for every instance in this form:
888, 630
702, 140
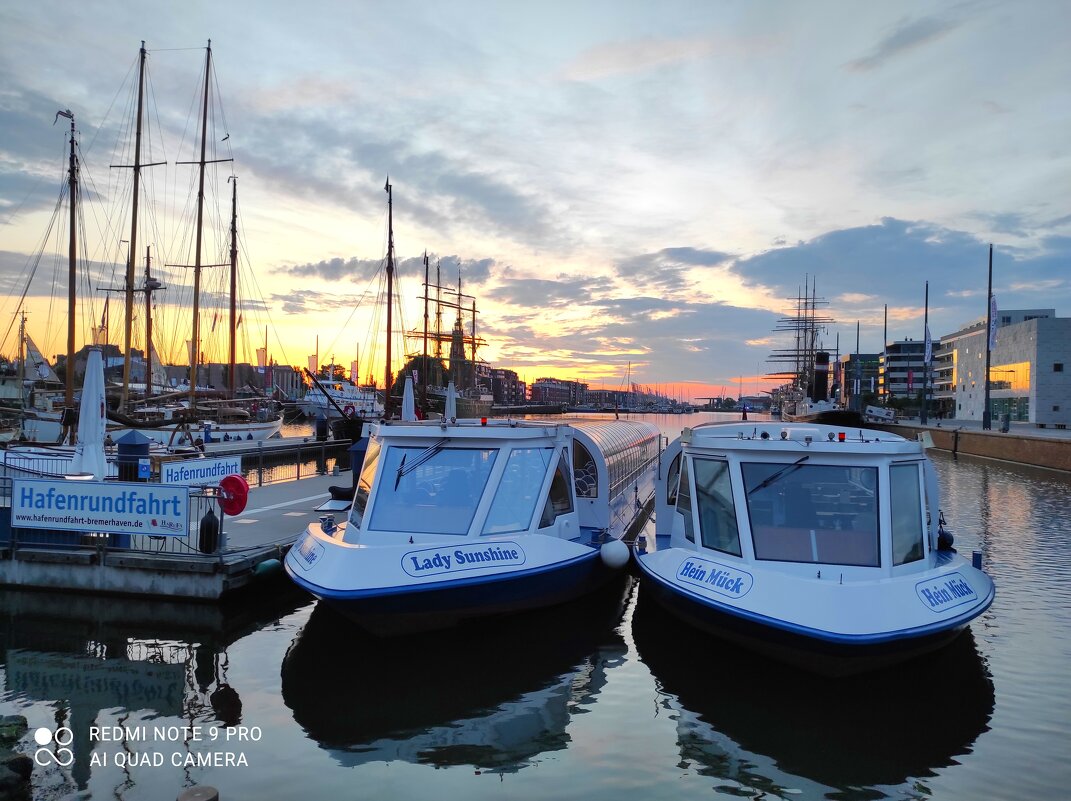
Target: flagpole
923, 413
987, 420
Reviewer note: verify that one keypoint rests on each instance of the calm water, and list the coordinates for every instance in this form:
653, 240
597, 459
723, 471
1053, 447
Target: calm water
605, 699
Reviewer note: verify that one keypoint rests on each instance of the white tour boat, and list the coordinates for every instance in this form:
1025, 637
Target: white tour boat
816, 544
460, 519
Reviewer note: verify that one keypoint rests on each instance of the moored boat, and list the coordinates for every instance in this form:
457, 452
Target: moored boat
466, 519
815, 544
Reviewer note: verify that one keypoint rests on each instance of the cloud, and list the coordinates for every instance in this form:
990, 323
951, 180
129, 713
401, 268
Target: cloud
907, 36
636, 55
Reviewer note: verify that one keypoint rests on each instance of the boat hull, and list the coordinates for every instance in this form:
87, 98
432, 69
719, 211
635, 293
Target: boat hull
795, 638
400, 610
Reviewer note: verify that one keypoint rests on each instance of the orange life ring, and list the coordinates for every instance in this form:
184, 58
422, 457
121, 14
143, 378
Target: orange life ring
348, 411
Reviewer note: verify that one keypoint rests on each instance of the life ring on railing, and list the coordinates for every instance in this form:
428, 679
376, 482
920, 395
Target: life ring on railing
233, 494
348, 411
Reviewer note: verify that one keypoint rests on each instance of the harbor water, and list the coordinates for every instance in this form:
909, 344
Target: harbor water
272, 697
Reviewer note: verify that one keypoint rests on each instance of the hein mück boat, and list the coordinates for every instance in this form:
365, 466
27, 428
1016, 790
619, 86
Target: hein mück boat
818, 545
460, 519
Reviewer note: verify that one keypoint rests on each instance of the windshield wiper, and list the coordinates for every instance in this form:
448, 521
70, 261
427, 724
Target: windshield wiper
422, 458
770, 479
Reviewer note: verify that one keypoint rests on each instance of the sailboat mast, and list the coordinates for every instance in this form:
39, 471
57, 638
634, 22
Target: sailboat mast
72, 258
22, 362
390, 293
233, 356
195, 344
148, 328
424, 365
132, 250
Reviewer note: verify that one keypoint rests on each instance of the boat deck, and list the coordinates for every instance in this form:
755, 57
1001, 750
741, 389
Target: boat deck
274, 517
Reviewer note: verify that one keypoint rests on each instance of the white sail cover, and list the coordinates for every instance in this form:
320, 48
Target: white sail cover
450, 412
408, 401
92, 421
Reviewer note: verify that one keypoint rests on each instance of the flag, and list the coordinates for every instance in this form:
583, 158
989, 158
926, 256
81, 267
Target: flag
910, 380
992, 321
314, 360
354, 375
104, 317
929, 348
262, 358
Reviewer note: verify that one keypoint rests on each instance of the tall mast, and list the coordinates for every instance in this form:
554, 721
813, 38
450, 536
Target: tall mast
195, 348
987, 417
132, 250
424, 366
151, 285
438, 312
72, 258
924, 409
22, 362
390, 292
234, 290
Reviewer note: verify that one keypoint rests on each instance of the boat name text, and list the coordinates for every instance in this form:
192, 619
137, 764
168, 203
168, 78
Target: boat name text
722, 579
436, 561
946, 592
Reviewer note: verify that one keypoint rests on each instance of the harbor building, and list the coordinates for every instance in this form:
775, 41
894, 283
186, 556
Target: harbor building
1029, 369
555, 390
507, 388
856, 379
901, 370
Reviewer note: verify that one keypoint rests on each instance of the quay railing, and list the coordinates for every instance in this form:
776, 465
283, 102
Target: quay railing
205, 539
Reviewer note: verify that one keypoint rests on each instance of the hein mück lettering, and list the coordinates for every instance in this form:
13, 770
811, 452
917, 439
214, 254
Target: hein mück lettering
722, 579
945, 592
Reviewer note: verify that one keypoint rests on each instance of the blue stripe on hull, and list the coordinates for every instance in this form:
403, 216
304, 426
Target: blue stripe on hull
406, 610
833, 655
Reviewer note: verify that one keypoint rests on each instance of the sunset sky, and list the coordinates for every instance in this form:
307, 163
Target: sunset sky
627, 186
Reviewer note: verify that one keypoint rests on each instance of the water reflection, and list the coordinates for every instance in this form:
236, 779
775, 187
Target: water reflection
767, 727
97, 659
494, 695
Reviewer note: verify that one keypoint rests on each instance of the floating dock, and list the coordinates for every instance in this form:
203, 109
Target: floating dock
252, 546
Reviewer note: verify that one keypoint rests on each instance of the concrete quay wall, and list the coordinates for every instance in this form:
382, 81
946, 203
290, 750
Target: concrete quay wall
1052, 452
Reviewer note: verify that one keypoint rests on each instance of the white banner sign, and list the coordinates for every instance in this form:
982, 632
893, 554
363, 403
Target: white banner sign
89, 506
199, 472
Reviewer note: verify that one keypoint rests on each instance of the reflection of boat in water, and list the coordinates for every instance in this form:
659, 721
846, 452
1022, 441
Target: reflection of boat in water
452, 521
464, 697
810, 545
97, 660
770, 728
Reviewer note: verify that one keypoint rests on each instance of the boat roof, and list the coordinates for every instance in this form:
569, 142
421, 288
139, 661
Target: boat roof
608, 436
790, 437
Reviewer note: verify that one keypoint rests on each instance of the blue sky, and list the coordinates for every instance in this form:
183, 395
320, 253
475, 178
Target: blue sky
644, 183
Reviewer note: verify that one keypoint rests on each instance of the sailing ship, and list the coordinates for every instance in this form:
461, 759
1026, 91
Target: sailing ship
805, 366
173, 417
471, 378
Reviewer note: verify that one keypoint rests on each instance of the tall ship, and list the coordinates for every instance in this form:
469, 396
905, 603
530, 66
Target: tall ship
432, 375
162, 413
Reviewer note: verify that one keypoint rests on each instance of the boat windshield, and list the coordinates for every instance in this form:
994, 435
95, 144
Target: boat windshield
431, 490
825, 514
364, 483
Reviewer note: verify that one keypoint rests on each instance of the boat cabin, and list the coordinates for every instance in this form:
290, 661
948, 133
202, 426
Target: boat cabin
796, 497
429, 480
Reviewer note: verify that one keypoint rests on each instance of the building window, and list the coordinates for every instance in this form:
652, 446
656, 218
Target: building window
1006, 319
1058, 367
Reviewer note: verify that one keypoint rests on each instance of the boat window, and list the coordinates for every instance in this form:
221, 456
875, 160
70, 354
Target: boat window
826, 514
364, 482
518, 491
585, 474
431, 490
717, 513
684, 501
673, 475
560, 499
905, 501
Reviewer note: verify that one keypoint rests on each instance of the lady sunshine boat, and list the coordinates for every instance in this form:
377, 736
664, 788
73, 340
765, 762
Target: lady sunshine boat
815, 544
460, 519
